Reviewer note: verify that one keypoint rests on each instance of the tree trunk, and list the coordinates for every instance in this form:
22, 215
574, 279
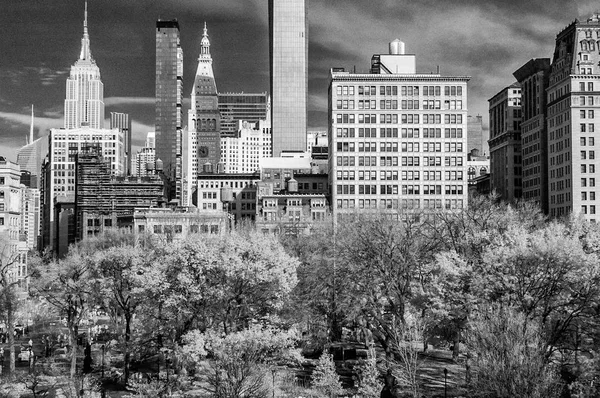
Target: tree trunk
127, 338
73, 343
456, 348
10, 330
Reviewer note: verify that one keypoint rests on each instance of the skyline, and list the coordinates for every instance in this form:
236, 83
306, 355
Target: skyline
485, 41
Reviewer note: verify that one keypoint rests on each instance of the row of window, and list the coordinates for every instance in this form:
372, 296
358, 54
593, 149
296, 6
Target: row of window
392, 132
403, 203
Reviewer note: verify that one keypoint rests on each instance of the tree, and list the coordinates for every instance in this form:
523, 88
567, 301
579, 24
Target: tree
317, 298
464, 238
218, 282
240, 361
10, 260
325, 378
406, 339
384, 260
369, 385
66, 285
115, 271
510, 356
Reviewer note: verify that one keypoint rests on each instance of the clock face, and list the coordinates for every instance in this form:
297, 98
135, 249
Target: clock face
203, 151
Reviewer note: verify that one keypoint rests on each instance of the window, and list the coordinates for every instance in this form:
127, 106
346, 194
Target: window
158, 229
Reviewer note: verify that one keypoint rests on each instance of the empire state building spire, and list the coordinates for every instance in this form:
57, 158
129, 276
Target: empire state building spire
85, 41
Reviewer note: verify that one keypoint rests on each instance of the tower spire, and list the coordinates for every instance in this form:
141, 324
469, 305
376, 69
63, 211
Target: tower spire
31, 128
205, 44
85, 41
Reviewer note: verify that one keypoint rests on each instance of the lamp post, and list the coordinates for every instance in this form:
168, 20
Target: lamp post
29, 359
445, 383
103, 347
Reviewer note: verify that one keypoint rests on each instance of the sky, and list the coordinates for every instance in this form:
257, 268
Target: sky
484, 39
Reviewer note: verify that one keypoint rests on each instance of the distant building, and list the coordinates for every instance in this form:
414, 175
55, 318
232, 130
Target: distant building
317, 145
505, 143
169, 100
122, 122
174, 224
291, 197
533, 78
397, 139
288, 27
248, 107
475, 138
143, 163
242, 152
477, 164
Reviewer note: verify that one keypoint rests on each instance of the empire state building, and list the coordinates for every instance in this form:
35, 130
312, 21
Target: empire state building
84, 103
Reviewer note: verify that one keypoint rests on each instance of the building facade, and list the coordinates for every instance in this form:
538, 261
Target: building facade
234, 194
573, 109
84, 103
288, 25
59, 167
248, 107
242, 152
30, 216
122, 122
533, 78
397, 139
291, 196
103, 200
169, 99
179, 223
13, 244
505, 142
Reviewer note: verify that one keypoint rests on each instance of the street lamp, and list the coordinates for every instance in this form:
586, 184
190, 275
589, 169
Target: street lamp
445, 383
29, 359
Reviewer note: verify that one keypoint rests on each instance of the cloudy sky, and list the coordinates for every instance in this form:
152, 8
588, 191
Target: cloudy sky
40, 40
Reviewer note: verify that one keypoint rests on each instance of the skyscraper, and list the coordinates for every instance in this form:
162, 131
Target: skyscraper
169, 96
122, 122
84, 103
288, 25
29, 157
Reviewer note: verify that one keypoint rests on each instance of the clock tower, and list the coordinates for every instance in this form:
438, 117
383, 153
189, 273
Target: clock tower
204, 118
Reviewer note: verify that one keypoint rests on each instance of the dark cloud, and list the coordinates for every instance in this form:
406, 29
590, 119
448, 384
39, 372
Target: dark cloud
487, 40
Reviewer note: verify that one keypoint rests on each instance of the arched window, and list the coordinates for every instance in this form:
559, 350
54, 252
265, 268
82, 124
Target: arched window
483, 171
584, 45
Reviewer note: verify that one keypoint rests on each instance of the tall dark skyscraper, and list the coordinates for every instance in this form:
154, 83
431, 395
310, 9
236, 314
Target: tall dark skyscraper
288, 33
169, 113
